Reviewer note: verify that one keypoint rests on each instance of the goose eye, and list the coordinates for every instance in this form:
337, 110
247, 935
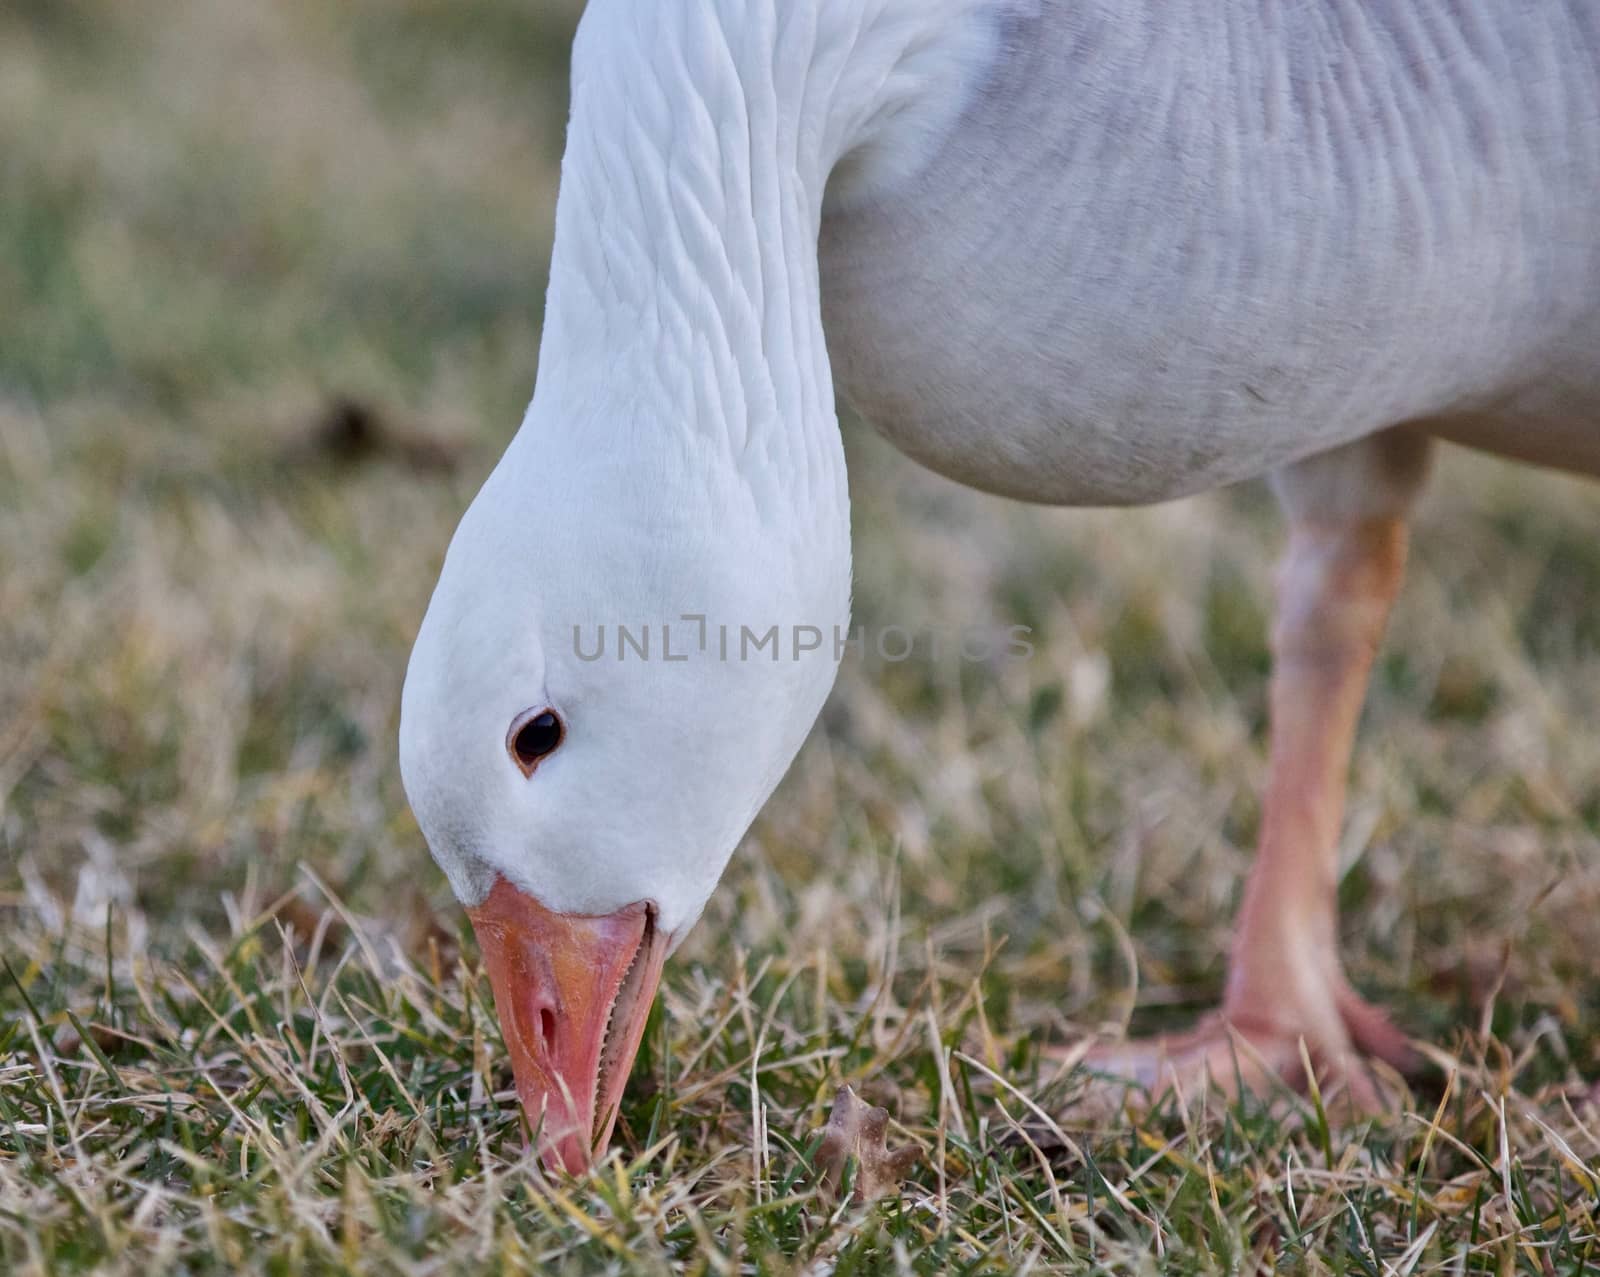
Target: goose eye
533, 738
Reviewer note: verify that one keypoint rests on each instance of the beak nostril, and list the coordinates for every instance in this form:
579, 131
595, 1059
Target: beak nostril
547, 1027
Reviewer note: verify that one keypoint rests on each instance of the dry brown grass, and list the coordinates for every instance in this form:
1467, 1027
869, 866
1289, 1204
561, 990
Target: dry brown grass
221, 216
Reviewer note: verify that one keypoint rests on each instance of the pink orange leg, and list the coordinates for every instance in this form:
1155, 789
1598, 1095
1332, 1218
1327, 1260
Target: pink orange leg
1347, 547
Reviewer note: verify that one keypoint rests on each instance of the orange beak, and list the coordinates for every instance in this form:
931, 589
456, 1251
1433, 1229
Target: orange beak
573, 992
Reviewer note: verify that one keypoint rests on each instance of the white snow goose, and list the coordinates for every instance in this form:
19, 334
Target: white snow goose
1073, 251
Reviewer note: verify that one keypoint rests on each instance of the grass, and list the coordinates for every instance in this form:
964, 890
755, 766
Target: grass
241, 1028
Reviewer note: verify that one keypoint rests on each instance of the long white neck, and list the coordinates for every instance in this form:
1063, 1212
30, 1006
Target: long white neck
684, 287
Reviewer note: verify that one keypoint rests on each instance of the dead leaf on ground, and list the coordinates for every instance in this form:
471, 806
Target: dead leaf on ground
351, 431
858, 1129
412, 927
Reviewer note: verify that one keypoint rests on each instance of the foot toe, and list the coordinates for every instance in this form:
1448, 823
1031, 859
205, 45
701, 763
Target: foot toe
1235, 1058
1373, 1033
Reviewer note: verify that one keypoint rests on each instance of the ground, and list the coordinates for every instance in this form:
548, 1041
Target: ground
271, 278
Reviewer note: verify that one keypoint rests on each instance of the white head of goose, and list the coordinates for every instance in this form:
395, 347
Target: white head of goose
1067, 250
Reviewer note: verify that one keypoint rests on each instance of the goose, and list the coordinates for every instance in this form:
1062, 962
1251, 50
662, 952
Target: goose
1078, 252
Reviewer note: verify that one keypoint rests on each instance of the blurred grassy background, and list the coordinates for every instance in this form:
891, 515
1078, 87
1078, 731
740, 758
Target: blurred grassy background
270, 279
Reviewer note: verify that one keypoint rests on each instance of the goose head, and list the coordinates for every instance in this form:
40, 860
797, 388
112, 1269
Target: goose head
583, 791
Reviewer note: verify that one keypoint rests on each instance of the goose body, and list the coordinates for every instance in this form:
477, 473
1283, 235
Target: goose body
1168, 246
1066, 250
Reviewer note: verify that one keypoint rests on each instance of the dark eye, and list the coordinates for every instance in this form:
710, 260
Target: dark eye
532, 738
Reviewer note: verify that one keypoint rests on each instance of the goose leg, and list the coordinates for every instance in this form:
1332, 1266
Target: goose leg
1347, 512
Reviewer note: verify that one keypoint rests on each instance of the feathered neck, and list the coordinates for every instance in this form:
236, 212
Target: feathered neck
683, 321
